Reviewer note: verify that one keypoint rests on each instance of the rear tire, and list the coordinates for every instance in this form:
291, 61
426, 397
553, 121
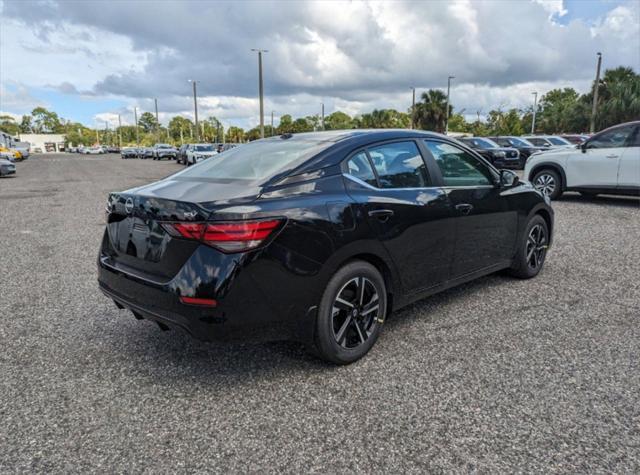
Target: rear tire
548, 182
532, 249
351, 313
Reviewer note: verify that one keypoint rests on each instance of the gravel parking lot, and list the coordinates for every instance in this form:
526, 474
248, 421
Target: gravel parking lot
499, 375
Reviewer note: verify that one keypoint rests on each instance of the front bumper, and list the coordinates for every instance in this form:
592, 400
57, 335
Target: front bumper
7, 170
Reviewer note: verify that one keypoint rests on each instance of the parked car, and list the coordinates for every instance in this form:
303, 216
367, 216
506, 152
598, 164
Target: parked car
145, 152
317, 237
525, 148
7, 167
575, 139
549, 141
163, 150
112, 149
96, 150
129, 152
199, 151
501, 157
181, 156
10, 153
609, 162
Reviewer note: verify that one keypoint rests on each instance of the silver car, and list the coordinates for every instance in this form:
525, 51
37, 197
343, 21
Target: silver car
6, 167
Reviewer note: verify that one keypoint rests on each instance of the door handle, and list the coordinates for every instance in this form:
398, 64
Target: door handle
612, 156
464, 208
381, 214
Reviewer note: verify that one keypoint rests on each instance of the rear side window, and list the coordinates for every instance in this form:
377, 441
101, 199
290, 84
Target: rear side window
399, 165
458, 167
359, 167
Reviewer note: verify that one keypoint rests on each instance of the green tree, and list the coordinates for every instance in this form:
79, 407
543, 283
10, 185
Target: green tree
45, 122
431, 111
234, 135
26, 124
457, 123
8, 124
147, 122
286, 125
505, 123
618, 97
338, 121
180, 129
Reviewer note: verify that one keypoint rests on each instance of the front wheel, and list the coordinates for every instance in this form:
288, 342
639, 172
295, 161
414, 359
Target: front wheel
548, 182
351, 313
532, 249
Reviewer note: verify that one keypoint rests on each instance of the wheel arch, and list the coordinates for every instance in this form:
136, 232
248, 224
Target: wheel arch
549, 165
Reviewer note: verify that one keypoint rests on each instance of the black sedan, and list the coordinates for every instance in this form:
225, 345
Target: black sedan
129, 152
525, 147
317, 237
501, 157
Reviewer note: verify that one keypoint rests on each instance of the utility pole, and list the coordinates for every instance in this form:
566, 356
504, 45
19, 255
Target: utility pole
135, 115
195, 106
119, 131
272, 123
181, 137
592, 126
106, 132
261, 88
322, 115
446, 122
157, 121
413, 107
535, 108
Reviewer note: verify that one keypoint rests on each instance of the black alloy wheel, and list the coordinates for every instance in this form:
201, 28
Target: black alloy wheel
351, 313
532, 251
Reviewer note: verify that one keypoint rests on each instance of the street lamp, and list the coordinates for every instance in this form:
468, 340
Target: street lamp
535, 107
446, 122
135, 115
322, 115
195, 106
413, 107
260, 88
592, 125
272, 124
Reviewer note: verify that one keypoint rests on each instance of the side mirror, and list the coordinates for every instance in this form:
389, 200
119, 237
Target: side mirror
508, 179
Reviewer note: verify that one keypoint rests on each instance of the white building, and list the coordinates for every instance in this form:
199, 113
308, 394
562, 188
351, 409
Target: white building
44, 143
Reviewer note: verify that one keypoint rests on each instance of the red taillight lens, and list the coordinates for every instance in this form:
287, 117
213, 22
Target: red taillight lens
198, 301
232, 236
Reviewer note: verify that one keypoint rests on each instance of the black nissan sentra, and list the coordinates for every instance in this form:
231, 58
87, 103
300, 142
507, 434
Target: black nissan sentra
317, 237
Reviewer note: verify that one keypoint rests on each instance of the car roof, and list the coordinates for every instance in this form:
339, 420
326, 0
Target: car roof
369, 134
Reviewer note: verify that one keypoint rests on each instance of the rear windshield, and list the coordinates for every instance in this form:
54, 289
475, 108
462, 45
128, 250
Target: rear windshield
203, 148
257, 160
482, 143
558, 141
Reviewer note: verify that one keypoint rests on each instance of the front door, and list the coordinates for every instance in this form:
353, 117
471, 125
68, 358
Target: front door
411, 217
598, 163
486, 227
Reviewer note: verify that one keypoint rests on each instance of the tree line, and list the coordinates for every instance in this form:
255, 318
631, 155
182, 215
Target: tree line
558, 111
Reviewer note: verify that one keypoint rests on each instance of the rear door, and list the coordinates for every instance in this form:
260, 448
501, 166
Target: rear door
486, 220
598, 163
410, 216
629, 168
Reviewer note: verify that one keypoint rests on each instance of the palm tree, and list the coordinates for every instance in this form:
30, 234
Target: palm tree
431, 112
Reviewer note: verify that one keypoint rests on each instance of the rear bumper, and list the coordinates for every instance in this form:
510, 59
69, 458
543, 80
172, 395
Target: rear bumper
249, 307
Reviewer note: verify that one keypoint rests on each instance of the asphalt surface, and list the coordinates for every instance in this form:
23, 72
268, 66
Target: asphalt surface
500, 375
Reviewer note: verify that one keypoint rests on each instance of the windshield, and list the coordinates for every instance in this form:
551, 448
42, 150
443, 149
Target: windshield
520, 142
163, 145
257, 160
538, 141
558, 141
204, 148
483, 143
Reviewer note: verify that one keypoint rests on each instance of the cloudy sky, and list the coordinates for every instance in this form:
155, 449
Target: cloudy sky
90, 60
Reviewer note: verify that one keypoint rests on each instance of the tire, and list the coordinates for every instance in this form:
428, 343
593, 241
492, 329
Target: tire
532, 249
548, 182
345, 328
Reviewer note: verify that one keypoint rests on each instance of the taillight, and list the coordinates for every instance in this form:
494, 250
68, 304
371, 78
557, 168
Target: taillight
230, 236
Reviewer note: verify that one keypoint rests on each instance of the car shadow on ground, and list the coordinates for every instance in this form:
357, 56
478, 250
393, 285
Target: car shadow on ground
622, 201
174, 354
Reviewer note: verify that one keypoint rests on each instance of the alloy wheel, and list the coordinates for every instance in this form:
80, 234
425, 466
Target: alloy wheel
355, 312
545, 183
536, 246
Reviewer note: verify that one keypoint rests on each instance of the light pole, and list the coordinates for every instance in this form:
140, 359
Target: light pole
322, 115
157, 121
119, 131
261, 88
413, 107
135, 116
592, 125
195, 106
272, 123
446, 122
535, 107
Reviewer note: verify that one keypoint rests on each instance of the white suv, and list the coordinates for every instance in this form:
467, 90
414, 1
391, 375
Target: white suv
199, 151
608, 162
